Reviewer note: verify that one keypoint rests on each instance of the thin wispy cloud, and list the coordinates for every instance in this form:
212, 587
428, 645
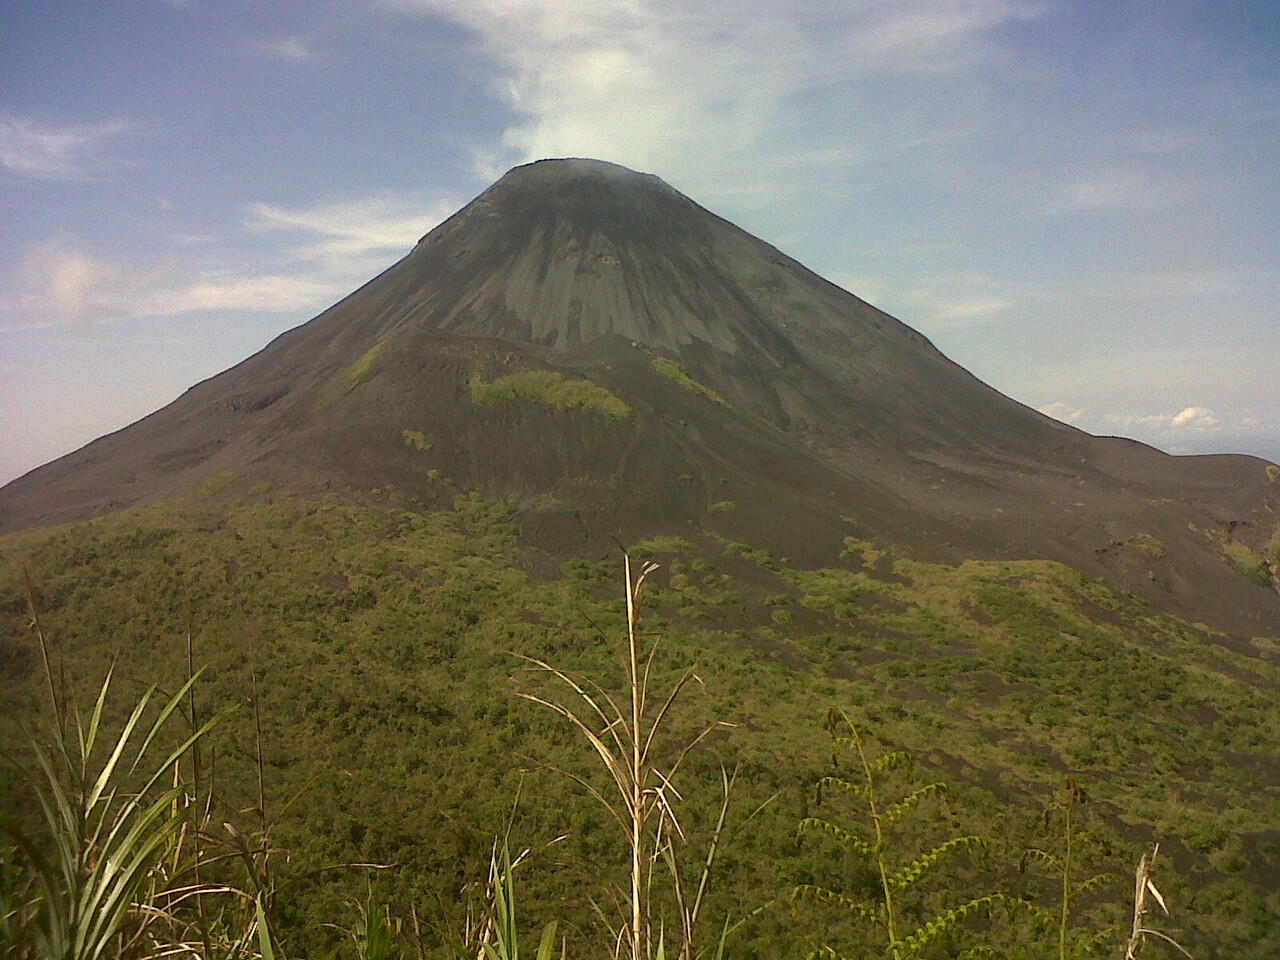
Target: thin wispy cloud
932, 36
289, 49
934, 301
1125, 190
68, 287
45, 151
352, 231
1187, 282
231, 290
321, 254
1062, 411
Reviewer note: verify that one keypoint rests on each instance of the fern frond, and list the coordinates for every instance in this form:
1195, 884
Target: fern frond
843, 785
858, 908
926, 934
1044, 856
841, 834
903, 806
1098, 939
824, 952
1093, 883
892, 761
1047, 917
917, 868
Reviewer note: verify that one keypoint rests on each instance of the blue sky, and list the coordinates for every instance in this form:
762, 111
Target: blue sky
1078, 201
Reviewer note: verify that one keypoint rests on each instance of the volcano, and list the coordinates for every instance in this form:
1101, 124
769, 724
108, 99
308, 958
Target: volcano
590, 344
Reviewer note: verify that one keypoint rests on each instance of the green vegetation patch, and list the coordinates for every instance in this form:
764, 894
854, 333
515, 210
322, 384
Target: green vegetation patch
362, 369
1251, 565
863, 551
216, 484
392, 732
654, 545
1273, 473
722, 506
756, 555
673, 371
416, 439
550, 388
842, 592
1146, 545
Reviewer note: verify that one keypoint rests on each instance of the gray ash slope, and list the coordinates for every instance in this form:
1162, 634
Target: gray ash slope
838, 419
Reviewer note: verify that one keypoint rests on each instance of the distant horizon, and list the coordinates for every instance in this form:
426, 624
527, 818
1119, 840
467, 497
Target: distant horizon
1076, 202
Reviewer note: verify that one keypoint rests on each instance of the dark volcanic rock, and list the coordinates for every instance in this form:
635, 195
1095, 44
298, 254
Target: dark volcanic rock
823, 416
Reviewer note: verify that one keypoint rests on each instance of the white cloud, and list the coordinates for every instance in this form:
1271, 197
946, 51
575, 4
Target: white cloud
326, 251
1193, 429
1062, 411
75, 289
354, 231
45, 151
936, 300
226, 290
1118, 189
68, 287
933, 37
729, 97
1194, 419
289, 49
1173, 282
62, 285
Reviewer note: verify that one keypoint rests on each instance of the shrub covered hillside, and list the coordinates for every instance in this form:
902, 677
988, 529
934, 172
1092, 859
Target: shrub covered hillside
894, 731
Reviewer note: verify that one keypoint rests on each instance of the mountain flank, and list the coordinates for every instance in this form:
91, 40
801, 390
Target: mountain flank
356, 534
588, 343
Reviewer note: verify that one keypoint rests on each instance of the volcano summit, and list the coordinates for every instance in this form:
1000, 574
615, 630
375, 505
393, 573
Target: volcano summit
592, 345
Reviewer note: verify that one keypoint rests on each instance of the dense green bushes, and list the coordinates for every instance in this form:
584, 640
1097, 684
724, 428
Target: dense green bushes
552, 389
381, 640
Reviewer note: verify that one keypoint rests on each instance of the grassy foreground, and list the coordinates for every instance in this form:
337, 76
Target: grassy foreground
373, 655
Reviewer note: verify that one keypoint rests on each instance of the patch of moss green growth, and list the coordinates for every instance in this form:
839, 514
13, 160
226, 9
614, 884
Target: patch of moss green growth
676, 373
757, 556
1251, 565
260, 488
839, 591
653, 545
1273, 473
416, 439
1146, 545
362, 369
598, 571
863, 551
405, 678
552, 389
723, 506
216, 484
